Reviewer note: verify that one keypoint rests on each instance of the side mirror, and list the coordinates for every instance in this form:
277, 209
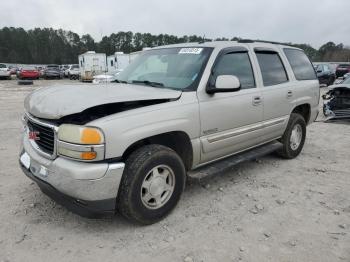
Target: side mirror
225, 83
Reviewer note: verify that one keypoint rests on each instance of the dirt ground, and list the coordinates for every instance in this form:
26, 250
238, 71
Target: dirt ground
264, 210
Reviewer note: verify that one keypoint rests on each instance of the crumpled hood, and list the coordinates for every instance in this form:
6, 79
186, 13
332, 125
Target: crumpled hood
61, 100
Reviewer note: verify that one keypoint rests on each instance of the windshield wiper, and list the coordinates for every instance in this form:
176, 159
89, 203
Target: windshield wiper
148, 83
119, 81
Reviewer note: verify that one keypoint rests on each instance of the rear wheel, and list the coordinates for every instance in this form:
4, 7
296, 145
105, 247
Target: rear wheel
293, 138
152, 183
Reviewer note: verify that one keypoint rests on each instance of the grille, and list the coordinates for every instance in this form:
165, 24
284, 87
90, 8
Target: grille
46, 137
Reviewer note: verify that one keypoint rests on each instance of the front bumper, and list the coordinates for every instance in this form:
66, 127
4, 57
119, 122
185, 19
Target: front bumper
88, 189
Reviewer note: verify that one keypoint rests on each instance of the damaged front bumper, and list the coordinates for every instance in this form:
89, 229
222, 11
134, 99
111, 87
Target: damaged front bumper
88, 189
337, 103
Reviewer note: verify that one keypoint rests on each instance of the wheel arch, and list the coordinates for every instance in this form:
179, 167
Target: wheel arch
179, 141
304, 110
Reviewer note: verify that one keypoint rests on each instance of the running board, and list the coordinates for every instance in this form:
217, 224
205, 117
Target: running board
225, 164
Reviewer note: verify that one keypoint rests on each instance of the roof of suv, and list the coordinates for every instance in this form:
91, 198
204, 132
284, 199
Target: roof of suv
223, 44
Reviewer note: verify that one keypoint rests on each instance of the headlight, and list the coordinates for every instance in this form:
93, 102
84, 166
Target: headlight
80, 135
80, 142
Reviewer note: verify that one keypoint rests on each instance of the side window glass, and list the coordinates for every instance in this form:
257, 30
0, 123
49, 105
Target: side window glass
237, 64
301, 65
272, 69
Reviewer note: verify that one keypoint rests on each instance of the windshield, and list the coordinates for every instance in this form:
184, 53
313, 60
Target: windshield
2, 66
176, 68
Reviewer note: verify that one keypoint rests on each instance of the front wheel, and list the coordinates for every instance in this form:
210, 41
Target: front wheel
152, 184
293, 138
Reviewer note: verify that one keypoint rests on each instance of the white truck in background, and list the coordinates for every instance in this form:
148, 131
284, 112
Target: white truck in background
91, 64
117, 62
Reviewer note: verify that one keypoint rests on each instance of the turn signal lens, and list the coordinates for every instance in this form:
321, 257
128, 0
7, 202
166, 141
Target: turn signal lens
88, 155
91, 136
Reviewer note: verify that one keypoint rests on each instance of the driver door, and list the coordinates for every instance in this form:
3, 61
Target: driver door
231, 121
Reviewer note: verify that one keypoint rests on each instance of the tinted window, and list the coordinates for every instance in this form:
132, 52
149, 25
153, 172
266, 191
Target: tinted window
237, 64
300, 64
272, 69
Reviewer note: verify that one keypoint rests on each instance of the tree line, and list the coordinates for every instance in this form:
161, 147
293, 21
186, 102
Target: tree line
47, 45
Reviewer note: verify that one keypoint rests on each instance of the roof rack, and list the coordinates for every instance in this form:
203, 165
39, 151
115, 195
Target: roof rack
259, 41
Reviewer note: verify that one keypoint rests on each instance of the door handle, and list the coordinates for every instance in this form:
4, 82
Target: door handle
256, 100
289, 93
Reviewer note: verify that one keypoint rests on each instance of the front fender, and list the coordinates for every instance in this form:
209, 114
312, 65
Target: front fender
122, 130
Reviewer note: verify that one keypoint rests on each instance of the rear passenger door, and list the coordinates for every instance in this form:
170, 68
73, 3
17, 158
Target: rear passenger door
277, 92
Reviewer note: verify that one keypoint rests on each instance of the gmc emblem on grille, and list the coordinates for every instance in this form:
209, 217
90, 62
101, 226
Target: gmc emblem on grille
34, 135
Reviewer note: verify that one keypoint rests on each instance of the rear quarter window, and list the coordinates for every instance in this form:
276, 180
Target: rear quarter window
300, 63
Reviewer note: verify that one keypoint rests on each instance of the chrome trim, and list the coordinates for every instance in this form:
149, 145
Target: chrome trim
237, 132
25, 119
99, 149
248, 129
115, 166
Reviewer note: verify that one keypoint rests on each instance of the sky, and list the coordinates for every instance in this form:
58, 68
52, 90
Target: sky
313, 22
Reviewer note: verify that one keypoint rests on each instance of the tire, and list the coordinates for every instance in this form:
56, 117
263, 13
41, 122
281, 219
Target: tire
289, 151
135, 185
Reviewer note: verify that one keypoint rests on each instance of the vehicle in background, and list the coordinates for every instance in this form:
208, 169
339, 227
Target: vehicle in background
104, 78
42, 71
91, 64
73, 72
5, 72
337, 101
29, 72
63, 67
325, 74
342, 69
13, 70
52, 71
70, 67
65, 72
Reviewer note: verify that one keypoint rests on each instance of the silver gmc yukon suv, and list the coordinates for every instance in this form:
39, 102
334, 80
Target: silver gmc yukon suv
176, 112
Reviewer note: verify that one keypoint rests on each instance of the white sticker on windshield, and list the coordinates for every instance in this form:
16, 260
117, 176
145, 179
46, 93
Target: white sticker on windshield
191, 50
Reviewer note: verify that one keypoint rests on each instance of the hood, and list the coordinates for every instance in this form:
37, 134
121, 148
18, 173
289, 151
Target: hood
57, 101
339, 86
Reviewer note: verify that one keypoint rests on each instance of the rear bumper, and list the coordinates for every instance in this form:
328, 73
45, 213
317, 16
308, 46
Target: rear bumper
87, 189
29, 76
5, 73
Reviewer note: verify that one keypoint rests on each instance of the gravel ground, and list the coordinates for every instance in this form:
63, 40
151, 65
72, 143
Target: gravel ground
264, 210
